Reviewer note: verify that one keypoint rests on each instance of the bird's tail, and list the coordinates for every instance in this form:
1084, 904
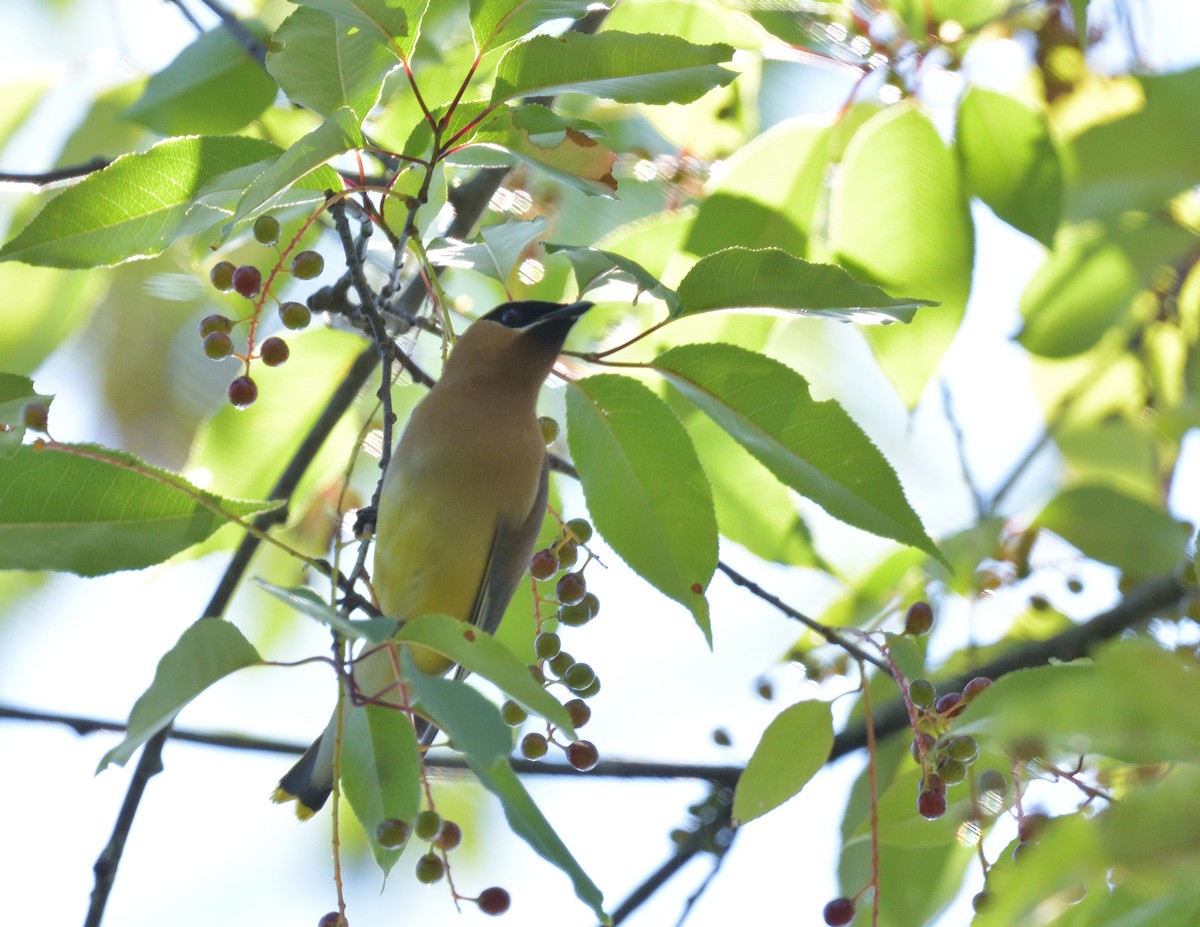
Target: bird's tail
310, 781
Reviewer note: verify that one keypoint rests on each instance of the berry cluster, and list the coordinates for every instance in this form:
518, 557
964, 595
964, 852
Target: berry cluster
442, 835
247, 282
555, 666
945, 758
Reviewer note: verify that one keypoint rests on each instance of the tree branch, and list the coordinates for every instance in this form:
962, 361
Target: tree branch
56, 175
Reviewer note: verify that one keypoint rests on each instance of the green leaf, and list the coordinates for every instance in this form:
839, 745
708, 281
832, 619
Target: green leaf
213, 86
90, 510
1101, 522
899, 822
1085, 287
739, 278
1113, 168
645, 488
307, 602
494, 22
542, 138
594, 267
1010, 161
323, 64
899, 217
701, 22
134, 207
792, 750
813, 447
383, 20
210, 649
614, 66
381, 771
496, 255
485, 656
337, 134
480, 734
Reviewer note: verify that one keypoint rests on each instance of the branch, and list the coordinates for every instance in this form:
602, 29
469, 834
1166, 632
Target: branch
46, 178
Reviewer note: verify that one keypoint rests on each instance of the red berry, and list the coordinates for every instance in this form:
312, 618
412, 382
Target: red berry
974, 687
839, 912
919, 618
35, 416
950, 705
221, 275
568, 555
294, 315
450, 837
543, 564
931, 803
583, 755
247, 281
578, 711
273, 351
307, 264
242, 392
215, 323
332, 919
217, 345
570, 588
493, 901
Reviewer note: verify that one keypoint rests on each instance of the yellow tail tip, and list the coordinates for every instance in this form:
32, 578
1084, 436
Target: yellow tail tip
282, 796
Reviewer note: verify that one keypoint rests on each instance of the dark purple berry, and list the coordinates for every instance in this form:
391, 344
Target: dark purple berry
583, 755
931, 803
974, 687
543, 564
570, 588
839, 912
493, 901
273, 351
578, 711
242, 392
919, 618
247, 281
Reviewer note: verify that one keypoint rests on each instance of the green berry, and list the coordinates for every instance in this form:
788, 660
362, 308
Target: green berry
583, 755
963, 748
919, 619
221, 276
922, 693
493, 901
547, 645
215, 323
294, 315
562, 662
430, 868
589, 691
35, 416
952, 771
578, 711
549, 429
721, 737
512, 713
428, 824
307, 264
574, 616
536, 672
266, 230
980, 901
579, 676
592, 603
568, 555
571, 588
534, 746
543, 564
273, 351
217, 346
580, 529
992, 780
392, 833
247, 281
242, 392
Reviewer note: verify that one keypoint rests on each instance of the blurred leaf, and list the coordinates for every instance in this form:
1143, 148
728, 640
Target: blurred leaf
324, 64
966, 551
1079, 10
483, 655
540, 137
813, 447
1118, 453
212, 87
1010, 161
593, 267
381, 771
1102, 523
19, 98
701, 22
792, 750
899, 218
90, 510
307, 602
1085, 287
480, 734
1141, 160
741, 278
613, 66
383, 20
134, 207
1124, 705
210, 649
922, 16
495, 22
645, 488
496, 255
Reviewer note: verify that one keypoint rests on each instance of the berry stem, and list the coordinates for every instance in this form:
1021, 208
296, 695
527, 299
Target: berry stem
869, 721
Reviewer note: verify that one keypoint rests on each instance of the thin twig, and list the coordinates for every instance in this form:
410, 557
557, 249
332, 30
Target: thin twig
58, 174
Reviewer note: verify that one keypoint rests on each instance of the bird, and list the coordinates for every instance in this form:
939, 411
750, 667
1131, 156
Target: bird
462, 503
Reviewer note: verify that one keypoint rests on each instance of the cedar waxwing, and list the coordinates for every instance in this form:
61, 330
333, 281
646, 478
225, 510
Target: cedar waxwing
462, 504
